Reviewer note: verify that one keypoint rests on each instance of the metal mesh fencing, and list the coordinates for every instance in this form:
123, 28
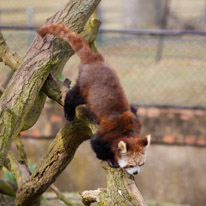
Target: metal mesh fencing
178, 79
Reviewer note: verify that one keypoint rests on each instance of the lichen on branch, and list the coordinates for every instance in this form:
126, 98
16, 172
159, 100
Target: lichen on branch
58, 156
18, 98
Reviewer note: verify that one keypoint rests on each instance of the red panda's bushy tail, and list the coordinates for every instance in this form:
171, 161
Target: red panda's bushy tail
80, 47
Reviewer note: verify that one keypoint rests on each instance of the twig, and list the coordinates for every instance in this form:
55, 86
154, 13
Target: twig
61, 196
7, 188
20, 171
90, 196
7, 56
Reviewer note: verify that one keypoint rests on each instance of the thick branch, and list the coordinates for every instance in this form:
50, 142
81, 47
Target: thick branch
9, 57
52, 87
20, 171
7, 188
43, 56
56, 89
58, 156
121, 190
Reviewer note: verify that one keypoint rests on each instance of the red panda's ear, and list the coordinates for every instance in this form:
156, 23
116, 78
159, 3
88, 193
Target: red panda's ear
122, 147
146, 140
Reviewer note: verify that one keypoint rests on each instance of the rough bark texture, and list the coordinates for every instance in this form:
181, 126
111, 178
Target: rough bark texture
58, 156
9, 57
52, 87
42, 57
121, 190
18, 106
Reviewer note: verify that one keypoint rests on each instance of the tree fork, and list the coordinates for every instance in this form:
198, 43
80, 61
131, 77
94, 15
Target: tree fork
121, 190
58, 156
42, 58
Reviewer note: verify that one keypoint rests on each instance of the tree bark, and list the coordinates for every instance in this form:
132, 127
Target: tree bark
9, 57
121, 190
43, 57
52, 87
58, 156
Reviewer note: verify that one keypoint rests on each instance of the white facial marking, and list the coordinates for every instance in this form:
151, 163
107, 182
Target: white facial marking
122, 163
133, 170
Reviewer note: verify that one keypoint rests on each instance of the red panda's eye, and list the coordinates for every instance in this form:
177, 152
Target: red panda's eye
141, 164
131, 165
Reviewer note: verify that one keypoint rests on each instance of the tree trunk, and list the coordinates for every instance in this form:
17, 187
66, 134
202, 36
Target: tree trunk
138, 14
58, 156
42, 58
121, 190
17, 101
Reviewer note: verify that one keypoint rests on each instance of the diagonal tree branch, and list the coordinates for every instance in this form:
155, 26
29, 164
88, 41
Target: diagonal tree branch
58, 156
61, 196
7, 188
20, 171
43, 57
9, 57
53, 88
121, 190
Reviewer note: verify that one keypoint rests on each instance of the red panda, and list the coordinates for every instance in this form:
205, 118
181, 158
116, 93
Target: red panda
117, 140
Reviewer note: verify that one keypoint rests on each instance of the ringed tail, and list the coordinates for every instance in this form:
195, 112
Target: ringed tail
80, 47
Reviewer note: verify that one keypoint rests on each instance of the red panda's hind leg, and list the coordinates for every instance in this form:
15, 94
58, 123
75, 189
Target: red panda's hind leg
72, 100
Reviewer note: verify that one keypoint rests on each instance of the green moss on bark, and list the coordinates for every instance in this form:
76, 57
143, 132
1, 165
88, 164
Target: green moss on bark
41, 59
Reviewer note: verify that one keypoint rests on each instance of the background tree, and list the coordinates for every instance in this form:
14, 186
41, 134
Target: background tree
138, 14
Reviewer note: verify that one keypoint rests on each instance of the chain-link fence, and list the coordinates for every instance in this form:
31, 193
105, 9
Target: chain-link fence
159, 71
154, 70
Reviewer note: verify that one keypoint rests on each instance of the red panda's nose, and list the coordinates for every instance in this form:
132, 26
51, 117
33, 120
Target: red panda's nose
135, 173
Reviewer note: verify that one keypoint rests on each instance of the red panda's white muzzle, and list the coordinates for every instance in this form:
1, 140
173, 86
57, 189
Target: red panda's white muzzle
133, 170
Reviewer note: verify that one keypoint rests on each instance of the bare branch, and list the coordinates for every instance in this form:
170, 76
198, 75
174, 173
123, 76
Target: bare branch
56, 89
121, 190
61, 196
43, 57
20, 171
58, 156
7, 56
7, 188
90, 196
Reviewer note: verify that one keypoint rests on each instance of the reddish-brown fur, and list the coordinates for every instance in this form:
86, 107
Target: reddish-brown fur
99, 87
78, 44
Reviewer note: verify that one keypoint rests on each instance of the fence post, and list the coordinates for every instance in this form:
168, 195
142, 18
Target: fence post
160, 45
30, 22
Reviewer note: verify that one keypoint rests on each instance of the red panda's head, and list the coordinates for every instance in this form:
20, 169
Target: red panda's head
131, 153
